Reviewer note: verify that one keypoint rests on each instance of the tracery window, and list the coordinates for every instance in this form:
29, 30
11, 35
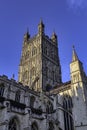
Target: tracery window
25, 74
45, 49
51, 126
68, 120
49, 108
17, 96
12, 125
33, 71
34, 51
46, 70
1, 89
32, 100
34, 126
27, 55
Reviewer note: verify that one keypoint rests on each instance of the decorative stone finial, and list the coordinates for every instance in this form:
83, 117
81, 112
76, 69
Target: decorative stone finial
74, 57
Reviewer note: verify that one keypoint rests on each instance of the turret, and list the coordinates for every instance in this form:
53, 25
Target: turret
26, 36
41, 28
76, 68
54, 37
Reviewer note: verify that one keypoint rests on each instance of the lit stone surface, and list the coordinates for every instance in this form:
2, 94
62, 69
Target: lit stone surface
39, 100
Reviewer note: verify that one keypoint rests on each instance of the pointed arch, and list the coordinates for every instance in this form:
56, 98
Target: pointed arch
14, 123
34, 126
34, 51
32, 101
2, 87
17, 96
68, 105
33, 71
51, 126
49, 107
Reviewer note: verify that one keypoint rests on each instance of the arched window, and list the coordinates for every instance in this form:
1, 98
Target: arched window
67, 105
49, 108
33, 71
1, 89
17, 96
34, 126
27, 55
32, 100
51, 126
12, 125
25, 75
34, 51
45, 50
46, 70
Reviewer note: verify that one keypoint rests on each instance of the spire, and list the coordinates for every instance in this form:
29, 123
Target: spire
26, 35
54, 34
41, 27
27, 31
54, 37
41, 21
74, 57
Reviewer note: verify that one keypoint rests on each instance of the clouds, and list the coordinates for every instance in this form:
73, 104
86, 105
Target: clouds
77, 3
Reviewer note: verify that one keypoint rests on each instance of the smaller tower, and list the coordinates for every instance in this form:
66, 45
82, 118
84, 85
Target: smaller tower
54, 37
41, 28
26, 36
23, 69
76, 68
79, 92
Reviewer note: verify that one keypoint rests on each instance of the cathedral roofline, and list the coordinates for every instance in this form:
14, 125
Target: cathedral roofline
17, 84
62, 87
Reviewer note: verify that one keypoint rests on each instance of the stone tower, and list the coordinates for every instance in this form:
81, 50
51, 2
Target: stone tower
79, 92
40, 67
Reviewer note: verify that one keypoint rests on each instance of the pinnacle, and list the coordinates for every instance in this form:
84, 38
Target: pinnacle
41, 21
74, 57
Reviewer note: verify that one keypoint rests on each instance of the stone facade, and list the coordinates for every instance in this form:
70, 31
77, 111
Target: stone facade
40, 100
24, 107
72, 96
39, 61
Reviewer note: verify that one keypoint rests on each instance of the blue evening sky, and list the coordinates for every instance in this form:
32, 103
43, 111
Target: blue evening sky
67, 17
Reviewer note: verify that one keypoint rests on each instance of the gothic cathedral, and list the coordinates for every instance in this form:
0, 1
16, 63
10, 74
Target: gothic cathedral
39, 100
40, 67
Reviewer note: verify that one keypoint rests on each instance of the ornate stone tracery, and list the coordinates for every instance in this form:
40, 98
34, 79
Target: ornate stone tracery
12, 125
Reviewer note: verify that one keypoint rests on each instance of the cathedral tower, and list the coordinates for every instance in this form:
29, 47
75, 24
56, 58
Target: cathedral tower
79, 92
40, 67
